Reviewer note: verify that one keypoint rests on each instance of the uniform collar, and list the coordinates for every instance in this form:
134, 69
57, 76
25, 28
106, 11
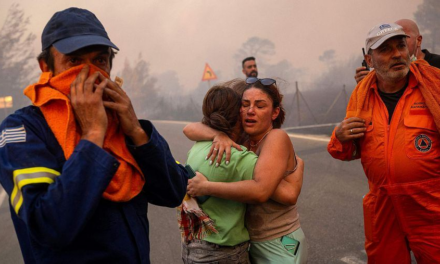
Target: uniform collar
412, 83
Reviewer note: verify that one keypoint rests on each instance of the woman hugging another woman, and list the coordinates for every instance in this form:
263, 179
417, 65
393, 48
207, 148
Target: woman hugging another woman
272, 219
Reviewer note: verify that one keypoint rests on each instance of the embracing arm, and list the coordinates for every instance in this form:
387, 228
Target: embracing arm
199, 132
221, 143
288, 190
268, 173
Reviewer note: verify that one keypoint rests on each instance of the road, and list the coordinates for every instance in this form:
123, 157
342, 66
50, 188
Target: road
330, 207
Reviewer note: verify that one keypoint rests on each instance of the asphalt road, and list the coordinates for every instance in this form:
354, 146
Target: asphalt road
330, 207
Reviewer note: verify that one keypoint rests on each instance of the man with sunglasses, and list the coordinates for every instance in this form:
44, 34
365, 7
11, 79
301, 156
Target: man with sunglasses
79, 167
392, 124
249, 67
414, 40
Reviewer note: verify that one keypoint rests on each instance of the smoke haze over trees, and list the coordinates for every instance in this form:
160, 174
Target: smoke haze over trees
427, 17
16, 71
164, 94
140, 86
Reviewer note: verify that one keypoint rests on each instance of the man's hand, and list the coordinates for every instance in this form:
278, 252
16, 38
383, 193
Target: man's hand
87, 104
361, 72
349, 129
196, 185
221, 144
121, 104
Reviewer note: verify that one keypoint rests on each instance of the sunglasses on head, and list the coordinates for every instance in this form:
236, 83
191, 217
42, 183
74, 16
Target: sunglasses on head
265, 81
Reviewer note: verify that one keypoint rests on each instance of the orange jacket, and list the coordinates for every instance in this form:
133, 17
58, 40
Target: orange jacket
406, 149
401, 161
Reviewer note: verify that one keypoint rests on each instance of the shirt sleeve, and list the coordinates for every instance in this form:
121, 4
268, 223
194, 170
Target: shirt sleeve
165, 178
343, 151
53, 197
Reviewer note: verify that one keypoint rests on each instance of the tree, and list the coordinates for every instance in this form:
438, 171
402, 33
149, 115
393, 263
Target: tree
284, 70
15, 56
328, 56
169, 85
140, 87
427, 17
256, 47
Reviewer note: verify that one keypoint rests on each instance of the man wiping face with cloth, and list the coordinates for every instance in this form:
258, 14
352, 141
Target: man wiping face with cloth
79, 167
392, 124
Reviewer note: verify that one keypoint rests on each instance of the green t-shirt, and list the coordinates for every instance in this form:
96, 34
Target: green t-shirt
228, 215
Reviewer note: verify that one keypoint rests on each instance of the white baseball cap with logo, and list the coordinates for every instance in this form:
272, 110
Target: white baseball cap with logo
381, 33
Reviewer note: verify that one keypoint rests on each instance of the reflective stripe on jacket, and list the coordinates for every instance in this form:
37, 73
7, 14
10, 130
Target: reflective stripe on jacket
57, 206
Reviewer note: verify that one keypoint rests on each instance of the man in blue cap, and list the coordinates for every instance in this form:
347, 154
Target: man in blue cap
79, 167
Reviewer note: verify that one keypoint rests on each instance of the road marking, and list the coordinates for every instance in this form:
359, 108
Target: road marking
309, 137
2, 196
172, 122
311, 126
352, 260
315, 138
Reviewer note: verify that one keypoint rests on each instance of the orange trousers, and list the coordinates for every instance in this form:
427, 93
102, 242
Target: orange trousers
403, 217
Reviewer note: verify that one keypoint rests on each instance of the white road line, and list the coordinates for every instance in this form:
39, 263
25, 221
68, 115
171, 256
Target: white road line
2, 196
315, 138
311, 126
352, 260
172, 122
309, 137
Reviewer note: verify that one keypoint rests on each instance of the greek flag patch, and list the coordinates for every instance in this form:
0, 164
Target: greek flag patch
12, 135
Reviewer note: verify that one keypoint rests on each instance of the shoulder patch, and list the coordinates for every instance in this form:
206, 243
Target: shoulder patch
12, 135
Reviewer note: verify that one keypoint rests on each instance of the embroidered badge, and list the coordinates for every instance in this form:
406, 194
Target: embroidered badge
423, 143
12, 135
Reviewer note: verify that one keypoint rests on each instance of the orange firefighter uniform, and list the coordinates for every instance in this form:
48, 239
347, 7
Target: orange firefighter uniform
401, 159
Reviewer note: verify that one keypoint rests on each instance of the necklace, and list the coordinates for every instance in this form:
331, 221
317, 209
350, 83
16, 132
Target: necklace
253, 146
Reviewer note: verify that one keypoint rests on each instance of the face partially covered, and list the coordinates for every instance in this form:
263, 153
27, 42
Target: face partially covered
391, 60
97, 55
257, 112
250, 68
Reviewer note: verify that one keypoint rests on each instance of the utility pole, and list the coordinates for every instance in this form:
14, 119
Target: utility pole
346, 96
297, 103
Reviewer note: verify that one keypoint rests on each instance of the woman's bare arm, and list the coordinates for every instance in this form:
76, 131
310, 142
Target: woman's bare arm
199, 132
221, 143
288, 190
268, 173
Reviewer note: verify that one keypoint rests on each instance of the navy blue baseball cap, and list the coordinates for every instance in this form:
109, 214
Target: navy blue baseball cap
72, 29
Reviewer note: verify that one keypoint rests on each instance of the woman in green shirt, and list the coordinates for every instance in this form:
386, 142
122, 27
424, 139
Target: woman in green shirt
273, 224
231, 243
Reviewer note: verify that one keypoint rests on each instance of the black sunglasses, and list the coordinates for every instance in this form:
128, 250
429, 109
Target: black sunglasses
265, 81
